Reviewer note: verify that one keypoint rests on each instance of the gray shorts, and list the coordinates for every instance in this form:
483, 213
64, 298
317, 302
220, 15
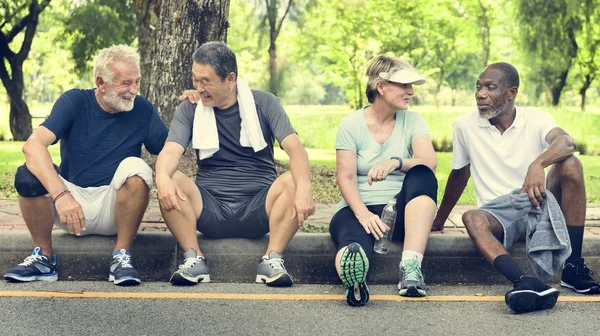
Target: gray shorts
246, 218
508, 216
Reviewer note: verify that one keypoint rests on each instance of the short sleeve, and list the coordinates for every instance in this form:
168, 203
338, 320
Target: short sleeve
157, 133
460, 155
546, 124
417, 126
278, 120
62, 115
182, 124
345, 138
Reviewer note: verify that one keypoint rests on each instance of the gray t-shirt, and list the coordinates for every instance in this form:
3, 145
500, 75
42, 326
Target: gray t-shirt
235, 172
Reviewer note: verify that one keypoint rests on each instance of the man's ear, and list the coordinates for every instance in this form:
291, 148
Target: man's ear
99, 82
512, 92
379, 88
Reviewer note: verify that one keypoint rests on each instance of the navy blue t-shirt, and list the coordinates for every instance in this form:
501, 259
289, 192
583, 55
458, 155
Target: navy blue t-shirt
94, 142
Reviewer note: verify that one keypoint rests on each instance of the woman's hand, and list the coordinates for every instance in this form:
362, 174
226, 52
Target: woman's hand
373, 225
381, 170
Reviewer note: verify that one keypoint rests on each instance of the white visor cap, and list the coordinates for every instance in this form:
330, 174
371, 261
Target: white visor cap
405, 75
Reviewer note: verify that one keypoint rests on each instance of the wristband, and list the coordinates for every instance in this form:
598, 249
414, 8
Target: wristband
399, 160
62, 193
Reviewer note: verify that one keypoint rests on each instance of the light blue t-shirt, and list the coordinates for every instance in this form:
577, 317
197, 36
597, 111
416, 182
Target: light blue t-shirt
354, 135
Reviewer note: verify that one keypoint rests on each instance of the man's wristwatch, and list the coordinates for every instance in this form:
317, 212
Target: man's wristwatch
399, 160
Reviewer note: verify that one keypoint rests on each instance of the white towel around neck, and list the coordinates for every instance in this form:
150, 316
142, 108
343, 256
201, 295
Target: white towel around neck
205, 137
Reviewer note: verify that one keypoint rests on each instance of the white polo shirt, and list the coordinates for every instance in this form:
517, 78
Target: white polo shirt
499, 162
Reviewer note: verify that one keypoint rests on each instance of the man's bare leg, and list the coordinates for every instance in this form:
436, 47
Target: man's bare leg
131, 203
38, 214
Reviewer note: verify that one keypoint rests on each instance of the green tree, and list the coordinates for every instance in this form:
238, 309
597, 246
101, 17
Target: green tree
588, 40
548, 33
20, 16
98, 24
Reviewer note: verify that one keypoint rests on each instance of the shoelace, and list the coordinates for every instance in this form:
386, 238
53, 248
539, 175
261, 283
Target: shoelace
582, 270
31, 259
189, 262
124, 260
275, 263
412, 272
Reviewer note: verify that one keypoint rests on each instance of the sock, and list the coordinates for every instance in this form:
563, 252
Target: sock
576, 236
506, 265
411, 255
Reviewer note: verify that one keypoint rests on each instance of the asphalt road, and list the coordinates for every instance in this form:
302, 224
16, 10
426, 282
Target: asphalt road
100, 308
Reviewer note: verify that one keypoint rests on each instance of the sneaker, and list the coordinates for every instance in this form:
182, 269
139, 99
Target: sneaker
35, 267
354, 267
411, 283
122, 272
194, 270
579, 278
530, 294
271, 271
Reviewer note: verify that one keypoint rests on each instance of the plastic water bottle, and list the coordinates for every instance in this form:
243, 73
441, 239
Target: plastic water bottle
388, 217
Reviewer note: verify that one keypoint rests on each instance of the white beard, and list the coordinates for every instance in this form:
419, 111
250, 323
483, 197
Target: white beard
115, 102
493, 113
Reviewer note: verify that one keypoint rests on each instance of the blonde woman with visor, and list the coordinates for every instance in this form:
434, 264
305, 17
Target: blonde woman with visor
384, 152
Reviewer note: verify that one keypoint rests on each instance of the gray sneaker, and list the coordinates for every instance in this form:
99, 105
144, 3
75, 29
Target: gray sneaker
193, 270
272, 272
121, 272
412, 282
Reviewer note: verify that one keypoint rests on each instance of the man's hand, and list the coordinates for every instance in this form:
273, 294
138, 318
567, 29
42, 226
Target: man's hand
438, 225
71, 214
373, 224
192, 95
304, 205
534, 184
169, 194
381, 170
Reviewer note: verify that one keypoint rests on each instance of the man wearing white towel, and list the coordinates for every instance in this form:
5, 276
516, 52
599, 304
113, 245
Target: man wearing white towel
236, 192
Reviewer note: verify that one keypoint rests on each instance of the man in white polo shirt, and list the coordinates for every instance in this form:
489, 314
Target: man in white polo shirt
505, 148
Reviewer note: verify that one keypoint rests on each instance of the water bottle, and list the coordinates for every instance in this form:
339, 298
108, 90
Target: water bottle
388, 217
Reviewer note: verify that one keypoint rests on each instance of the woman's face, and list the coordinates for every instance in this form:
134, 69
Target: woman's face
396, 94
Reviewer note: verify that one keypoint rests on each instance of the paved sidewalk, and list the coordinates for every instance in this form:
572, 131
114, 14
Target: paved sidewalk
11, 218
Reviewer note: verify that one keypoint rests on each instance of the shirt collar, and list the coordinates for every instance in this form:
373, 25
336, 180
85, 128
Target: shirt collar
518, 122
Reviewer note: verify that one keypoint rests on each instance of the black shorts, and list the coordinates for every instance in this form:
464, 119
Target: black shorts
245, 218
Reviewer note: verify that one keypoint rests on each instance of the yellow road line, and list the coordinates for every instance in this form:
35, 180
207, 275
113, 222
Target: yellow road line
288, 297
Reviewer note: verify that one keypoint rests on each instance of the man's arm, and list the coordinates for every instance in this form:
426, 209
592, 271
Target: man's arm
457, 181
562, 146
304, 205
166, 165
39, 163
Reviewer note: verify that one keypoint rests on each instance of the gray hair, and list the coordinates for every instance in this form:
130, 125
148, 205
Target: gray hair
218, 55
376, 66
109, 56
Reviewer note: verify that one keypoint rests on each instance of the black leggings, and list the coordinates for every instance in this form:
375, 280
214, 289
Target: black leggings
346, 229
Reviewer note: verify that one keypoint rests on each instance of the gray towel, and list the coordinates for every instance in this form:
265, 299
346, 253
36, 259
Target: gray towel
547, 239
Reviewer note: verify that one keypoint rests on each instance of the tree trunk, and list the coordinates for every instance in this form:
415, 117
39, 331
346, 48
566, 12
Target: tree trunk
183, 27
582, 91
147, 14
19, 116
485, 34
274, 29
558, 87
273, 76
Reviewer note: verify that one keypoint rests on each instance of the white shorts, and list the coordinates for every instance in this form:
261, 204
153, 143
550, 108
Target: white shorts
98, 203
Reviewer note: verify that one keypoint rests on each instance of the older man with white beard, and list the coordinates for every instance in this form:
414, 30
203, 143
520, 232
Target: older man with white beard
102, 186
506, 148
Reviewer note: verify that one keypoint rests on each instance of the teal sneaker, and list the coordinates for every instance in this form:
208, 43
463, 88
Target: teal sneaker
354, 267
412, 283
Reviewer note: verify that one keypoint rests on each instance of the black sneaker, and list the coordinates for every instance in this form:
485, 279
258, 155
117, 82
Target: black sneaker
122, 272
530, 294
35, 267
578, 277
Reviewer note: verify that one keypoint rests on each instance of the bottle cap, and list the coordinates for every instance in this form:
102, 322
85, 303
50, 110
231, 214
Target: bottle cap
392, 201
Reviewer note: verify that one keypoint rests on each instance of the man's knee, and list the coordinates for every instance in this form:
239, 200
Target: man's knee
287, 185
475, 219
27, 185
570, 168
135, 169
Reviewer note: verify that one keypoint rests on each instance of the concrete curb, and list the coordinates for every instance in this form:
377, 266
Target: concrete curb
449, 259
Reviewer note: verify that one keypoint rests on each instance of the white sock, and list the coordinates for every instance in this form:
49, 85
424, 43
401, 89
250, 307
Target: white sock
411, 255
